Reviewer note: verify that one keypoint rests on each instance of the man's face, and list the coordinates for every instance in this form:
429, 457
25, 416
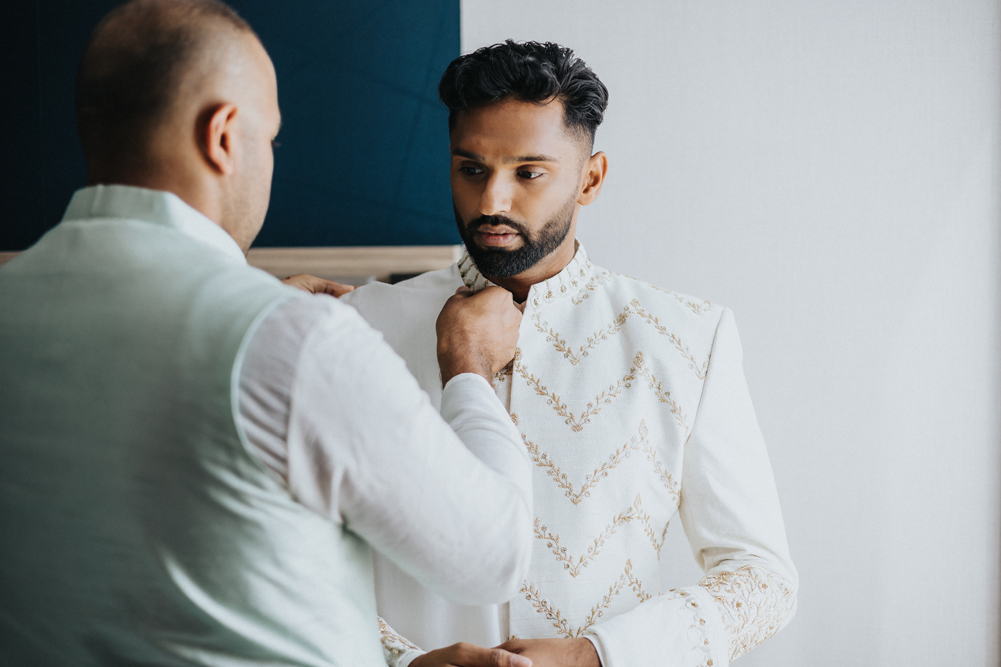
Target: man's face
516, 176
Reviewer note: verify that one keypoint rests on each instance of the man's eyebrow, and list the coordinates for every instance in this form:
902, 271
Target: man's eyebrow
508, 160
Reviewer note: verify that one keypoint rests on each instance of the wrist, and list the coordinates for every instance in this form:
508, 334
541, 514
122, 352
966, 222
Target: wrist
587, 653
450, 365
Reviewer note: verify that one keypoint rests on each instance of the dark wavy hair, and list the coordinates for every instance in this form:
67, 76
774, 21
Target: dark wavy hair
527, 71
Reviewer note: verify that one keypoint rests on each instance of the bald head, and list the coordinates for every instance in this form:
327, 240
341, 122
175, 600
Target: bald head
180, 95
138, 61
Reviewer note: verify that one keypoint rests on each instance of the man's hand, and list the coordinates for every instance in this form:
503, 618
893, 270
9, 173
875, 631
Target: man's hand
477, 332
315, 285
555, 652
470, 655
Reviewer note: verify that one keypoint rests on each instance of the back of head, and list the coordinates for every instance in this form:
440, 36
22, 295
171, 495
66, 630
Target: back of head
530, 72
134, 67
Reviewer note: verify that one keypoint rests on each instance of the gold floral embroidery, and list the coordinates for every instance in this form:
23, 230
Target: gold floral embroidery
697, 307
756, 604
593, 408
597, 280
605, 398
635, 512
542, 460
561, 345
603, 334
700, 371
636, 443
662, 394
665, 476
657, 545
561, 624
636, 584
394, 643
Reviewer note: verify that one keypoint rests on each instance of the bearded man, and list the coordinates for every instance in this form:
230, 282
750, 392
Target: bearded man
630, 399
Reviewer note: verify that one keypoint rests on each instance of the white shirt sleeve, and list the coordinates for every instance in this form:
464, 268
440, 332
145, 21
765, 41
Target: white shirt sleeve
730, 512
333, 411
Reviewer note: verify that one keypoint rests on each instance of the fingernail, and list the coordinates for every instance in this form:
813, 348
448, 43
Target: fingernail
520, 661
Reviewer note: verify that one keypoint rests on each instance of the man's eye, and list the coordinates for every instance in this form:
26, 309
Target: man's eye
530, 175
471, 171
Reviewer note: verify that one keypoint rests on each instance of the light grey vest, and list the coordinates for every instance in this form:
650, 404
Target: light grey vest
135, 525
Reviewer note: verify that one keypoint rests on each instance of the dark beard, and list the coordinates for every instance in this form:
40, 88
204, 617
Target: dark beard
501, 263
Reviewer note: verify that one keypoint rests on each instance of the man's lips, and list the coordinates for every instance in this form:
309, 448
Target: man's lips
498, 236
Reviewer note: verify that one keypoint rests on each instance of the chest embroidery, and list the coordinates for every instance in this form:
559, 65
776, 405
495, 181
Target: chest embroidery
562, 625
603, 334
606, 397
638, 443
572, 566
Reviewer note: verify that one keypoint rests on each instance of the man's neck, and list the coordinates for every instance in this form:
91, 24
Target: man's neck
551, 265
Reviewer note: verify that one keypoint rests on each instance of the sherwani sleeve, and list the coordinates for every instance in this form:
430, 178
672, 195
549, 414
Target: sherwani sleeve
730, 513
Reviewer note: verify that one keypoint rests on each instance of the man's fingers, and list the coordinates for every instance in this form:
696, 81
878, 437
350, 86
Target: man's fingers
504, 659
463, 289
334, 289
314, 285
470, 655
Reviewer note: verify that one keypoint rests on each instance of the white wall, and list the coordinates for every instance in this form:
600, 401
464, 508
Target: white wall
829, 170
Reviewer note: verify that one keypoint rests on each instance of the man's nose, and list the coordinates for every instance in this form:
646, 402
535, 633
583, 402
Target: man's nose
496, 197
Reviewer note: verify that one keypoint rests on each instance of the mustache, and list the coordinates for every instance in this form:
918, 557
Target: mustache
496, 221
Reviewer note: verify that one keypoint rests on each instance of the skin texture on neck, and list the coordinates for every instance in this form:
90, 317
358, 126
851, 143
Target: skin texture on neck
517, 160
212, 146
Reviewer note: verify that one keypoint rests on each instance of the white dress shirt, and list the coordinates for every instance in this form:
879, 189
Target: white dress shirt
334, 413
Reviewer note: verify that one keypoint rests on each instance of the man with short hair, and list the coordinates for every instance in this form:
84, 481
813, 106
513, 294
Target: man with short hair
198, 461
630, 399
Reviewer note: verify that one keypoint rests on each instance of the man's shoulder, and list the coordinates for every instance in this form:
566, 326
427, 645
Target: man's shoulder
419, 297
651, 302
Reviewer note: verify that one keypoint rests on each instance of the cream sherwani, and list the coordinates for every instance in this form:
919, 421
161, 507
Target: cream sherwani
632, 403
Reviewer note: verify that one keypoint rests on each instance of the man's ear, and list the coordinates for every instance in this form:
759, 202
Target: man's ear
594, 175
216, 137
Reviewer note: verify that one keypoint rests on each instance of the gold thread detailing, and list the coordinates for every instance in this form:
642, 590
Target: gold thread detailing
605, 398
755, 605
648, 529
514, 418
700, 371
696, 306
635, 512
542, 460
663, 395
561, 624
597, 280
665, 476
394, 643
636, 584
576, 424
698, 623
561, 345
603, 334
638, 443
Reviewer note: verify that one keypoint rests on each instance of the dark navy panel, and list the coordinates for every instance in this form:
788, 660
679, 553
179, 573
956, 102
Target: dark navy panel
364, 143
20, 161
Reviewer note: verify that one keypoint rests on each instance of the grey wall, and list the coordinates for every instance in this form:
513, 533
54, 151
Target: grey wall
829, 170
364, 145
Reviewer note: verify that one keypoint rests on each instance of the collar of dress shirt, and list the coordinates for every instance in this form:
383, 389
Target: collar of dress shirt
154, 206
564, 284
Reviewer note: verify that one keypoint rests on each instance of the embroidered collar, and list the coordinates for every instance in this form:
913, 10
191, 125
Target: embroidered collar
564, 284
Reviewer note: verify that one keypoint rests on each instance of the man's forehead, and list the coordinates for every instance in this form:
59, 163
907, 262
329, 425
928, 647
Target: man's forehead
513, 131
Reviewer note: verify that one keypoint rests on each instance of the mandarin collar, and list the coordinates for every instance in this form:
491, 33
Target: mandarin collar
154, 206
564, 284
